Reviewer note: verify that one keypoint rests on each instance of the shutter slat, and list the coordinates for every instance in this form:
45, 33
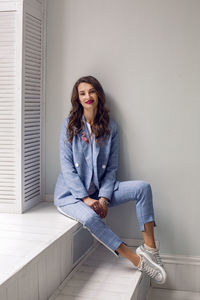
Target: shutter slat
32, 180
8, 120
32, 107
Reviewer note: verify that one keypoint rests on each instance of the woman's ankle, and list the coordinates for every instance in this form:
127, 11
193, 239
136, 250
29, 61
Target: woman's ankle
137, 261
126, 252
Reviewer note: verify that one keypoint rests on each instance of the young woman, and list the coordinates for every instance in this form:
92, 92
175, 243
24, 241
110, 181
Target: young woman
87, 185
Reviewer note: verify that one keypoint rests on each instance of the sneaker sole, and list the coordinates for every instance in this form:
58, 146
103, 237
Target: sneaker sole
141, 253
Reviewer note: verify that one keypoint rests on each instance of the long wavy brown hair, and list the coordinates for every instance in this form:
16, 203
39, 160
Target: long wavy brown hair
101, 120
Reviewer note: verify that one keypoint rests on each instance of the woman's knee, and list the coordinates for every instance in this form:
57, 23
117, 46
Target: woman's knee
145, 188
91, 219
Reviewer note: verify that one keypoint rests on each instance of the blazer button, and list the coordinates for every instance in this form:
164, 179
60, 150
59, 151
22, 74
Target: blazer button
103, 166
76, 164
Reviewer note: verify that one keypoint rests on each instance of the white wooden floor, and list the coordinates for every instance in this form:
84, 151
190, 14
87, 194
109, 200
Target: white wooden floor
101, 276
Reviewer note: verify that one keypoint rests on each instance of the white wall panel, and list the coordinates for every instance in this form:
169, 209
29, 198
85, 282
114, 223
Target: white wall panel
146, 56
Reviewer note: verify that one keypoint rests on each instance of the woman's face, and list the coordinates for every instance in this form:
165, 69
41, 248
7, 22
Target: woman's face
87, 95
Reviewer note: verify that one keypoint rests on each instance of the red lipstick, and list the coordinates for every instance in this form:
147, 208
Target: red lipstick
89, 101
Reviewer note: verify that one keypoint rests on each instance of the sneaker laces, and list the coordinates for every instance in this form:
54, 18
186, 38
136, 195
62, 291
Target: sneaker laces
158, 258
145, 267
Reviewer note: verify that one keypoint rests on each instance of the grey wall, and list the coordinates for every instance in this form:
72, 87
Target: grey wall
146, 55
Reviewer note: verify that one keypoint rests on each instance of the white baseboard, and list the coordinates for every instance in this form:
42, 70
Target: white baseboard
183, 272
157, 294
181, 259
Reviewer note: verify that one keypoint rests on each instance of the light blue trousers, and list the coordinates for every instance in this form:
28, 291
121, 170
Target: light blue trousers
136, 190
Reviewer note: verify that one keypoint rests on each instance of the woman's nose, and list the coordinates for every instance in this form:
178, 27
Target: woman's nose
87, 95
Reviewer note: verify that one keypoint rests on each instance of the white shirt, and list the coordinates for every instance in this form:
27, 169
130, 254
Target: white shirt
92, 187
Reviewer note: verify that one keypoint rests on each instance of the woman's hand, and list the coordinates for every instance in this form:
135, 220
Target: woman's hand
104, 207
94, 204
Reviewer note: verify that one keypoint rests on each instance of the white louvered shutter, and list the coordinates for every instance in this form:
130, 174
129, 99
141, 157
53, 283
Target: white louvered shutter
21, 104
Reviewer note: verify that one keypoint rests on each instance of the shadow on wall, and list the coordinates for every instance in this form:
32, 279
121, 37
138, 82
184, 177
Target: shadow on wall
124, 170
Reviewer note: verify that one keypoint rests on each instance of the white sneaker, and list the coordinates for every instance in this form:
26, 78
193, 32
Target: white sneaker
150, 267
154, 255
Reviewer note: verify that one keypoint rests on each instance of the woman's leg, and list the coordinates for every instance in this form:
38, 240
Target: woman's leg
149, 259
139, 191
82, 213
126, 252
148, 234
91, 221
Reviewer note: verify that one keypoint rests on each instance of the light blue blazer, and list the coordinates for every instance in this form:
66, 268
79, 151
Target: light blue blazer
76, 166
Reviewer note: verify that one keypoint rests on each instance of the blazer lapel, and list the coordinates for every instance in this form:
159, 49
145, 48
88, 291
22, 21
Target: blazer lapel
96, 146
96, 149
87, 151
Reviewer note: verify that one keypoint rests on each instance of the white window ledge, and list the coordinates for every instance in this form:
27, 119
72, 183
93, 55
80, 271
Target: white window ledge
24, 236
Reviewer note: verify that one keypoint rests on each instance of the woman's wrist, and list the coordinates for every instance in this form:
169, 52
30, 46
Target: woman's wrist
105, 201
104, 198
85, 198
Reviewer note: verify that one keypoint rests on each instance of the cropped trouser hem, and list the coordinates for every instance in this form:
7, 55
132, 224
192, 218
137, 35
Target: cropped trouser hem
146, 219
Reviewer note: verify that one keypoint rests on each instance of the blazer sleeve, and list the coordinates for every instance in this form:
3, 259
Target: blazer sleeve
71, 177
108, 181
